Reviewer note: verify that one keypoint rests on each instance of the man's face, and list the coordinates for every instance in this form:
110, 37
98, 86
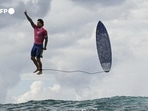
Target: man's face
39, 24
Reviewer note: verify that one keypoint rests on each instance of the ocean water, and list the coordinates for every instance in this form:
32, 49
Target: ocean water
118, 103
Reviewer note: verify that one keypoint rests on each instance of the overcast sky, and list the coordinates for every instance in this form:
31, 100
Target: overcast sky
71, 26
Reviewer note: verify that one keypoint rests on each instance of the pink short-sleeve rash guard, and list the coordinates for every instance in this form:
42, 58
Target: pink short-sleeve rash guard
39, 35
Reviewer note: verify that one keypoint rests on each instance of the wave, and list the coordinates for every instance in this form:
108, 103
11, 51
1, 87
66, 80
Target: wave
117, 103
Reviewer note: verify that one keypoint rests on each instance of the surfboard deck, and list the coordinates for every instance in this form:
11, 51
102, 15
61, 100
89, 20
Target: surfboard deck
103, 47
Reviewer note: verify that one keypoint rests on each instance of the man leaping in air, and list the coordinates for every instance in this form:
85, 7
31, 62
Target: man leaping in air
40, 34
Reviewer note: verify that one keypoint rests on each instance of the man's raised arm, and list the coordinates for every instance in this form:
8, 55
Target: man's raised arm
29, 19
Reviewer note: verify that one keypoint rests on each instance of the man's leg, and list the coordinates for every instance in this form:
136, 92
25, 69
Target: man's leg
36, 64
33, 57
39, 66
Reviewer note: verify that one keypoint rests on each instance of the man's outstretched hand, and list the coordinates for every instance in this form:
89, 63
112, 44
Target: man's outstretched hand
25, 12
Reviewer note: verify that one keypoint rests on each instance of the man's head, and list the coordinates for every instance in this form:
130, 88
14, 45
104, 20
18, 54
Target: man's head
40, 23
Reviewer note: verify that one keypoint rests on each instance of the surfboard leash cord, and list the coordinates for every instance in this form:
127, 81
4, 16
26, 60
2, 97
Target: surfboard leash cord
73, 71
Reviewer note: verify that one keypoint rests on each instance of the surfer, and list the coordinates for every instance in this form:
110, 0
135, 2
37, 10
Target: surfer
40, 42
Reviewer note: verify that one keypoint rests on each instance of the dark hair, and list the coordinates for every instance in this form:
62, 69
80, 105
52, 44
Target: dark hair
42, 22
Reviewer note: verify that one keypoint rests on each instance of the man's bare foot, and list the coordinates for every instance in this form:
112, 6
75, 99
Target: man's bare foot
36, 70
40, 72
